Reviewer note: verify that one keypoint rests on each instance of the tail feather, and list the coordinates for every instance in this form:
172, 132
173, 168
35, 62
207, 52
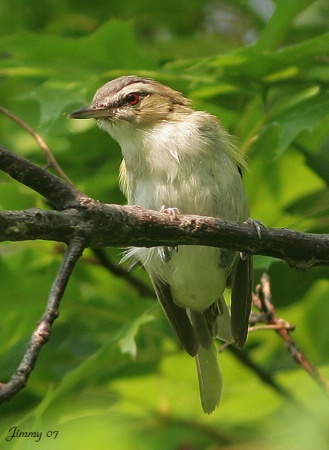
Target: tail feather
209, 373
222, 327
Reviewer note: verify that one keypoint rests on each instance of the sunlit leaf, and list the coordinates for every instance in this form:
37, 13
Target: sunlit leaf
127, 343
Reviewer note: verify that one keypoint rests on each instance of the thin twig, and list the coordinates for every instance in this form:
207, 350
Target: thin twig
263, 301
40, 335
286, 326
52, 162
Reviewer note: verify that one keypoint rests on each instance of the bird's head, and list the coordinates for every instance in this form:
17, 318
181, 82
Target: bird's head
142, 102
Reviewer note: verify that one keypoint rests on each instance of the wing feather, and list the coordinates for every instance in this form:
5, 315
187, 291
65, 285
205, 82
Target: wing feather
177, 317
241, 298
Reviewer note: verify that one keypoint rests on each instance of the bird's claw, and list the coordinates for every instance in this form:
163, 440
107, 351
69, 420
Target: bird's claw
166, 252
258, 226
170, 211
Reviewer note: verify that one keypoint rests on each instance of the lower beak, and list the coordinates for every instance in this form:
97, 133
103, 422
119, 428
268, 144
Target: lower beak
89, 112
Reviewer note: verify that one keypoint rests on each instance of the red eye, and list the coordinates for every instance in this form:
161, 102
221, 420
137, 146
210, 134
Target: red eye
132, 98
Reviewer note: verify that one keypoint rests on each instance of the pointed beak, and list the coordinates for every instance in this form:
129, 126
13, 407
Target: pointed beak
90, 112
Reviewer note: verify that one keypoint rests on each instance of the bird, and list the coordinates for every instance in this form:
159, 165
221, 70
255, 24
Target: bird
179, 160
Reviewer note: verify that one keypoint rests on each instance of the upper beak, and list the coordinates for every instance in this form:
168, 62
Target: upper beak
89, 112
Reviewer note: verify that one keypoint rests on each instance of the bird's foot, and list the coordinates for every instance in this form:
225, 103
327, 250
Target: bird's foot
170, 211
258, 225
166, 252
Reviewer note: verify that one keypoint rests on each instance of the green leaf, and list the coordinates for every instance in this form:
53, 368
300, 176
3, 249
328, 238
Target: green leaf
249, 64
303, 116
319, 163
74, 67
287, 124
288, 285
70, 58
317, 312
280, 22
127, 343
315, 204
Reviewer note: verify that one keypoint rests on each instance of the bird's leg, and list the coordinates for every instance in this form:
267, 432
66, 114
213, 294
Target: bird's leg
166, 252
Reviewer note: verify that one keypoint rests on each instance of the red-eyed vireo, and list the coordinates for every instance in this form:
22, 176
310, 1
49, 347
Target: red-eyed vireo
177, 158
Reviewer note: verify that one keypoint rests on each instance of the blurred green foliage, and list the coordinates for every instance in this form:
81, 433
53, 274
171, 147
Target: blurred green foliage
112, 375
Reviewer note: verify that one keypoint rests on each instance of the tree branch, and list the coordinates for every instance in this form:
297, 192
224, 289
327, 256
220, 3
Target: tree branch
40, 335
59, 193
121, 226
124, 226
